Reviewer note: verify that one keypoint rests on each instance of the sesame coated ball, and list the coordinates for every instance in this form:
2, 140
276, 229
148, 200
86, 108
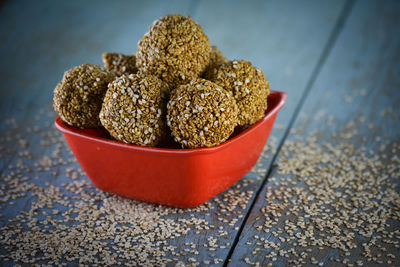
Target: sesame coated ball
201, 114
79, 95
175, 49
134, 108
119, 63
216, 59
248, 86
216, 56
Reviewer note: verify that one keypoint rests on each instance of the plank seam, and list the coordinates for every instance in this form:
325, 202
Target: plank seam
344, 14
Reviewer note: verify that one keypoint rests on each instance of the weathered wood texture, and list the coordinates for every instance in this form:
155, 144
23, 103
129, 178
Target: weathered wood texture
287, 40
354, 100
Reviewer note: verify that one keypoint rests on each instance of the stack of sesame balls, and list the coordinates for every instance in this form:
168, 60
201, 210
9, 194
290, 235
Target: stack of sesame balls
175, 85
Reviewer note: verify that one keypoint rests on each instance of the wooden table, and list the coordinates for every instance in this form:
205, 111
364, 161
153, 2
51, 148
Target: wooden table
338, 62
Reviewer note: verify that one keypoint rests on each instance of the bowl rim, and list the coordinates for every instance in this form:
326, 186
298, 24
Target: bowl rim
68, 129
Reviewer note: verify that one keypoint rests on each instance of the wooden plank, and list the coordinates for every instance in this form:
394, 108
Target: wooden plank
352, 104
46, 38
41, 41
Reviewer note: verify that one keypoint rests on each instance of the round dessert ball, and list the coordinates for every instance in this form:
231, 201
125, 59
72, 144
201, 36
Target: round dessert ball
201, 114
79, 95
248, 86
216, 56
216, 59
134, 108
119, 63
175, 49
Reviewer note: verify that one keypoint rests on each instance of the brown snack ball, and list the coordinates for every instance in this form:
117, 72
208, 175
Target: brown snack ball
175, 49
201, 114
216, 59
248, 86
134, 108
79, 95
119, 63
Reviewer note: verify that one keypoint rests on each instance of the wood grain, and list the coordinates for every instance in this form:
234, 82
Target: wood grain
44, 39
356, 92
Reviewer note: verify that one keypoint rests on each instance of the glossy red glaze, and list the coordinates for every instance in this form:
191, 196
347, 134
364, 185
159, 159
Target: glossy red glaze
174, 177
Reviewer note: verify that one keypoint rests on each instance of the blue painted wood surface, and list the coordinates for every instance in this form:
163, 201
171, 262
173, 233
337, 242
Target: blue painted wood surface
302, 47
354, 99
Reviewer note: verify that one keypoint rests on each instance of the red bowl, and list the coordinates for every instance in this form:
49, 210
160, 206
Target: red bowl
174, 177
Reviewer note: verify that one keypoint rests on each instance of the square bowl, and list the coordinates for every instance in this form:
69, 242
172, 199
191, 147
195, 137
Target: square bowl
174, 177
